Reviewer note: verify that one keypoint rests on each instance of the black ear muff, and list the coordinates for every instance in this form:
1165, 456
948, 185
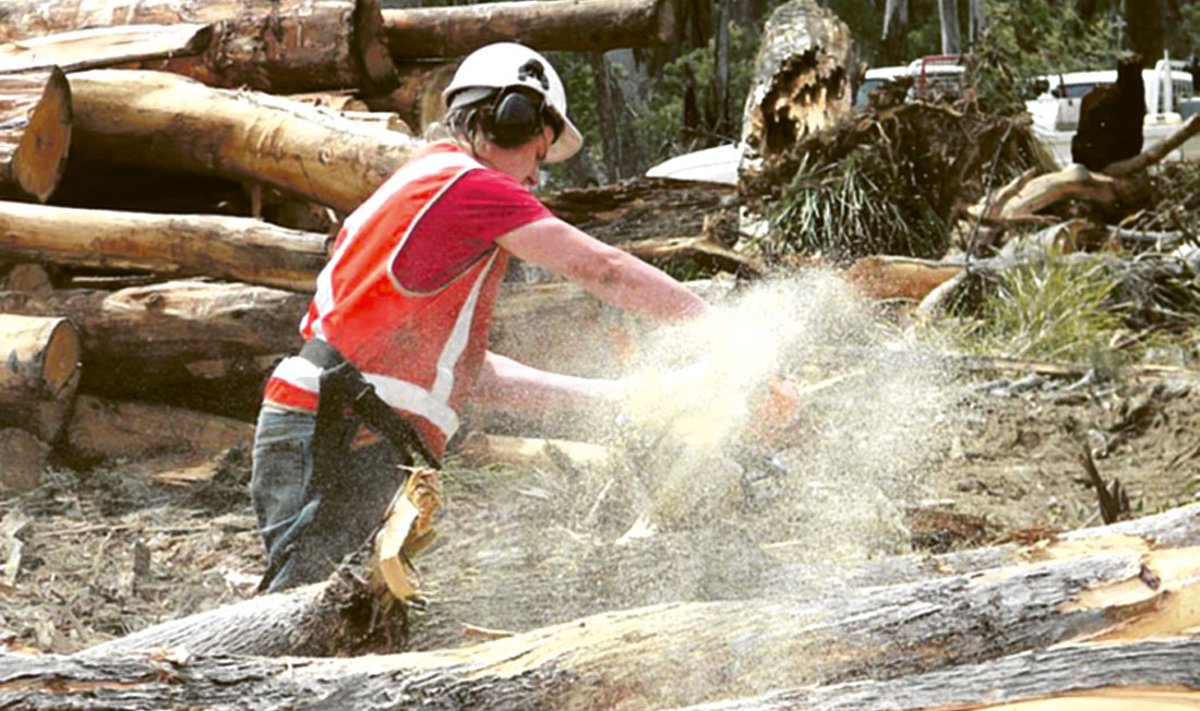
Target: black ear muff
516, 118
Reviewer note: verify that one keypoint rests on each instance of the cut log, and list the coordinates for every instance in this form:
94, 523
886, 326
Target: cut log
161, 120
1148, 676
233, 248
557, 25
268, 45
24, 458
122, 46
885, 277
40, 373
801, 82
36, 121
28, 278
295, 46
1155, 675
1089, 584
105, 429
668, 655
36, 18
172, 321
693, 255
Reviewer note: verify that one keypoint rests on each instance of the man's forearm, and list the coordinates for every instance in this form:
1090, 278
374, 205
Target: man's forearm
506, 383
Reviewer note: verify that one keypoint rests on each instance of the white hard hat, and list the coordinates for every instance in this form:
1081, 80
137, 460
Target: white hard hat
505, 64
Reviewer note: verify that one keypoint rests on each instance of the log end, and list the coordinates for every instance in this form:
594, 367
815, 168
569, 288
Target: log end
60, 365
41, 156
24, 459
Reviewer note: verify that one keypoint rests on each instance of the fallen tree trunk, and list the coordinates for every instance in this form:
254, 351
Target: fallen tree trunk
296, 46
161, 120
99, 47
801, 82
1148, 676
40, 374
1104, 581
36, 120
197, 342
35, 18
234, 248
106, 429
1155, 675
558, 25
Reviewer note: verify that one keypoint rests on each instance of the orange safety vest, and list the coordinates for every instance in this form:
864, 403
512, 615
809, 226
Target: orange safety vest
421, 351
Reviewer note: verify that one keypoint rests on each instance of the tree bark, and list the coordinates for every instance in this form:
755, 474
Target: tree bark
109, 429
296, 46
36, 119
35, 18
97, 47
147, 329
801, 80
24, 457
951, 33
557, 25
161, 120
1105, 586
234, 248
40, 373
1154, 675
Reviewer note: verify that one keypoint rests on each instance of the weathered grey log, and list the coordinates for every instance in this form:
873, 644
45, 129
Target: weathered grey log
36, 124
801, 81
167, 121
1043, 596
1154, 675
557, 25
235, 248
648, 658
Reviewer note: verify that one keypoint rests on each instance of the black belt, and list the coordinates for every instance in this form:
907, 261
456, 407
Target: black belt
343, 384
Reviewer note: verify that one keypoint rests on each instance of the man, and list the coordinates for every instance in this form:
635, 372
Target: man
404, 304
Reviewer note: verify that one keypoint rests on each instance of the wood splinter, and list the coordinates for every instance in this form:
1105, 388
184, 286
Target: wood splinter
407, 529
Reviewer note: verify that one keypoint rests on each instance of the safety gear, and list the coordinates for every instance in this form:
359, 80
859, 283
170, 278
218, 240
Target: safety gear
421, 351
507, 65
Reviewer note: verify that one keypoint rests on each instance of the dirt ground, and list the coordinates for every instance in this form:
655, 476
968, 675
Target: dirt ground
96, 554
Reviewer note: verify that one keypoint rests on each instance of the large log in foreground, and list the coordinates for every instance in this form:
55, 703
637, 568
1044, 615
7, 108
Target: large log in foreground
36, 120
666, 655
1154, 675
1147, 676
557, 25
801, 81
1109, 587
39, 374
163, 120
235, 248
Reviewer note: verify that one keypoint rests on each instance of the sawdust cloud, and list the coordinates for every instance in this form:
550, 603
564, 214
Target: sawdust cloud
878, 404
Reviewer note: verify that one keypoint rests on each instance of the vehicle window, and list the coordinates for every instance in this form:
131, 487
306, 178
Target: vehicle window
865, 89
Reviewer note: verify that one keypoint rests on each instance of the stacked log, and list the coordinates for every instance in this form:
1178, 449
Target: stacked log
35, 133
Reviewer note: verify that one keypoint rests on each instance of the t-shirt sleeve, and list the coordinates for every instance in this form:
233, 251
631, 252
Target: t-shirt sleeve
461, 226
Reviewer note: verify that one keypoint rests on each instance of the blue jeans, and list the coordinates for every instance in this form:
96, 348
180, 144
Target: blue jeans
309, 519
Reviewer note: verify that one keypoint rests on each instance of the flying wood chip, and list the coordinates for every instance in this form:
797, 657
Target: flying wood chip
407, 530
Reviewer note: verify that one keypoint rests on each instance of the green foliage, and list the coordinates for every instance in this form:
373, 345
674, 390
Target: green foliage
659, 108
1049, 310
1028, 38
865, 203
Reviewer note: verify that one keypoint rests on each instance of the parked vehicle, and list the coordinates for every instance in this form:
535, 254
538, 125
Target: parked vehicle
933, 77
1170, 99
